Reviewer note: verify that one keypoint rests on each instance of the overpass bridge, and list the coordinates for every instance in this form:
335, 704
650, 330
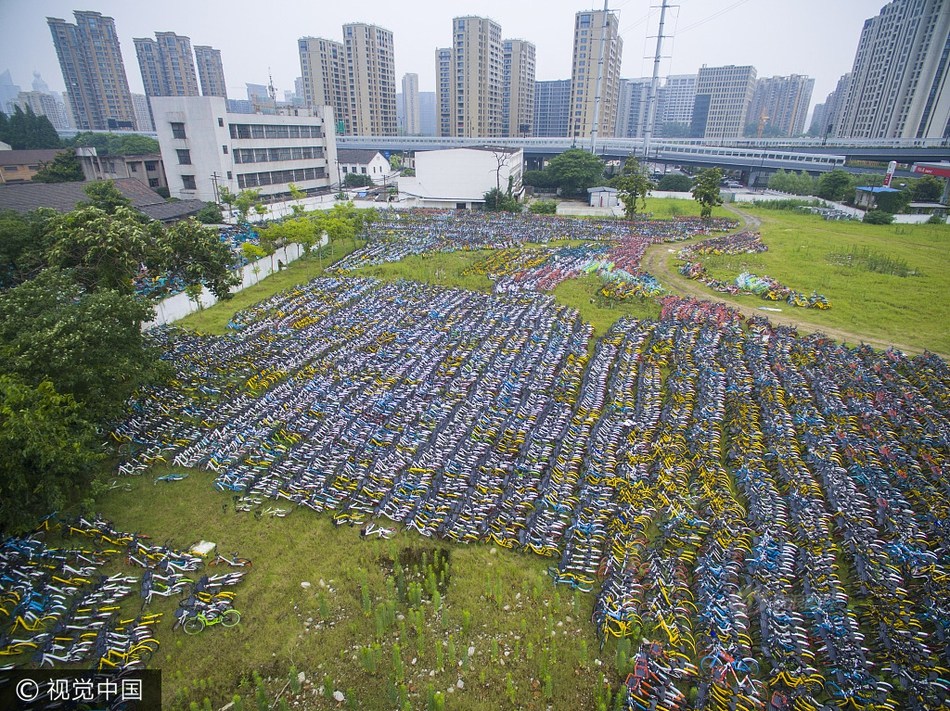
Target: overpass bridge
751, 156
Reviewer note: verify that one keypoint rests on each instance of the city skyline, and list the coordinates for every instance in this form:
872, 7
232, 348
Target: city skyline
816, 39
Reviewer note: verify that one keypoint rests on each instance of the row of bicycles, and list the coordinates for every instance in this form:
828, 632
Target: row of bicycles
764, 514
58, 605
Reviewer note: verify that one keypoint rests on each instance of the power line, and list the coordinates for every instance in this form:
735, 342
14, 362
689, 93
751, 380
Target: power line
714, 15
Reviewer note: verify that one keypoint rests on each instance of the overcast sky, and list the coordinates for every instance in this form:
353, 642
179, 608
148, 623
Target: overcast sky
813, 37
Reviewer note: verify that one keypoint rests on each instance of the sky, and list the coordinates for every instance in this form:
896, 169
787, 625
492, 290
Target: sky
778, 37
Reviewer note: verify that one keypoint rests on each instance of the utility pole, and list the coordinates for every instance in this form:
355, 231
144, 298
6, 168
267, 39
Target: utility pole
654, 85
600, 80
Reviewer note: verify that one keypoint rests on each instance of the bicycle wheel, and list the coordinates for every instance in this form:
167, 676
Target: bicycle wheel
193, 625
230, 618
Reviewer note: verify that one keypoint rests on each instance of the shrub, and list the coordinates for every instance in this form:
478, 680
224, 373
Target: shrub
878, 217
543, 207
210, 214
675, 182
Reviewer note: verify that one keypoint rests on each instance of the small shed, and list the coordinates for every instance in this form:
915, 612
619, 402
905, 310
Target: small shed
866, 196
603, 196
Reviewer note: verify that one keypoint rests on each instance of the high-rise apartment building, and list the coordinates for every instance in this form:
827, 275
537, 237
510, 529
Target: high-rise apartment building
410, 105
552, 108
517, 102
323, 70
427, 113
41, 101
826, 115
900, 80
370, 80
143, 114
474, 89
91, 60
633, 107
722, 101
443, 86
589, 28
210, 71
168, 67
674, 105
779, 106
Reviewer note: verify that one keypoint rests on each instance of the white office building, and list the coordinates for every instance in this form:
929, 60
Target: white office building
204, 147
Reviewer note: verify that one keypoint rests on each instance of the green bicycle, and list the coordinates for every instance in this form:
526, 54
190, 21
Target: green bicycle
209, 618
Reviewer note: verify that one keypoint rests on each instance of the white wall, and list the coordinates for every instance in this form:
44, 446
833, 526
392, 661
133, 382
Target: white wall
180, 305
460, 174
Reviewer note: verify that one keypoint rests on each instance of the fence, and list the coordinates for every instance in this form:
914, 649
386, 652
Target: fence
180, 305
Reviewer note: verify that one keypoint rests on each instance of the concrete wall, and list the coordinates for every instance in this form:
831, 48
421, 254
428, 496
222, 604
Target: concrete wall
180, 305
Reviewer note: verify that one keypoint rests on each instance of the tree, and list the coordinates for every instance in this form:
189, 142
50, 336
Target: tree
632, 187
49, 452
64, 168
835, 185
575, 170
226, 196
210, 214
88, 344
357, 180
297, 195
24, 130
675, 183
499, 201
706, 190
121, 144
102, 250
106, 196
792, 182
193, 253
537, 178
24, 244
928, 189
245, 201
895, 202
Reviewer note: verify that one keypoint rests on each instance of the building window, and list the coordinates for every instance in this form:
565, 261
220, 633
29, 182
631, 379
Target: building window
153, 182
178, 130
345, 169
151, 165
220, 122
224, 149
134, 167
188, 181
363, 170
229, 175
184, 156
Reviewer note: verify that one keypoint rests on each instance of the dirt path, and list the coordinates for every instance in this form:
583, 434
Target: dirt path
657, 261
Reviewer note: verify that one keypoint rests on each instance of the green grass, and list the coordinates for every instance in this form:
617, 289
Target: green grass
500, 602
912, 310
666, 208
214, 320
442, 268
584, 295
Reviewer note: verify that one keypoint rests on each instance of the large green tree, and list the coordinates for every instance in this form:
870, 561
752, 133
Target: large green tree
24, 130
64, 168
49, 452
633, 186
121, 144
927, 189
835, 185
88, 344
575, 170
706, 190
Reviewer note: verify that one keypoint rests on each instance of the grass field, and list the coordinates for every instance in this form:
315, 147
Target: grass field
499, 626
804, 253
442, 268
